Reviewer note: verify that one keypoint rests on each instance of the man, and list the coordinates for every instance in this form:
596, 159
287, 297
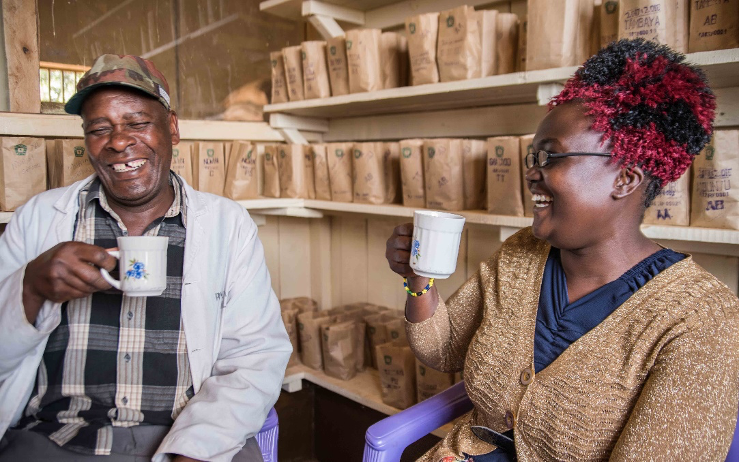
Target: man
86, 371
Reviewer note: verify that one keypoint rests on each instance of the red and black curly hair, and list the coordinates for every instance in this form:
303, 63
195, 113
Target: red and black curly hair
655, 110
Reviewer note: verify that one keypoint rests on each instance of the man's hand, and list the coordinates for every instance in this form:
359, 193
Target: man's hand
66, 271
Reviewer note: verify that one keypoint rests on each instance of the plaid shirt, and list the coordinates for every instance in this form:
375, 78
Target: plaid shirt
114, 361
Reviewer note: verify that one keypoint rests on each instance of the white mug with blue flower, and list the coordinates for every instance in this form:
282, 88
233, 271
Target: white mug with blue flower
143, 265
435, 246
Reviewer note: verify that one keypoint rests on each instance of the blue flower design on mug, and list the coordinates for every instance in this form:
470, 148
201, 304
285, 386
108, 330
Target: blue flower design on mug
137, 270
415, 252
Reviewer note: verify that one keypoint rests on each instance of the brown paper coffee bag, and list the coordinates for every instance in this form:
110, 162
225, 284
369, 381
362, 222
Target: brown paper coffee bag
68, 162
506, 43
310, 184
715, 177
394, 60
504, 176
648, 19
182, 161
369, 173
474, 172
209, 167
423, 32
271, 171
442, 165
608, 22
309, 333
279, 80
595, 31
523, 26
377, 332
430, 382
487, 25
396, 329
339, 355
22, 170
320, 172
363, 58
338, 71
672, 205
411, 173
302, 304
291, 163
289, 318
315, 71
526, 144
339, 157
361, 351
241, 176
682, 25
585, 25
293, 57
391, 167
553, 27
714, 25
459, 47
397, 367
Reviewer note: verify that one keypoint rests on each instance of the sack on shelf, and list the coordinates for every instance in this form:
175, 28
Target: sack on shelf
209, 167
310, 183
338, 344
487, 26
474, 158
271, 186
361, 348
22, 170
338, 71
458, 51
339, 156
315, 71
320, 172
552, 34
182, 161
672, 205
377, 332
396, 329
67, 162
411, 173
397, 367
442, 164
241, 176
430, 382
504, 176
369, 173
526, 145
715, 201
507, 42
363, 58
279, 80
714, 25
291, 165
585, 33
391, 167
290, 319
608, 22
594, 40
648, 19
682, 25
523, 26
294, 72
423, 32
309, 333
227, 146
394, 60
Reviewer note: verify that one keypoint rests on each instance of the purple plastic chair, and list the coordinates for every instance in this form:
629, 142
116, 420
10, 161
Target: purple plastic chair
386, 440
267, 437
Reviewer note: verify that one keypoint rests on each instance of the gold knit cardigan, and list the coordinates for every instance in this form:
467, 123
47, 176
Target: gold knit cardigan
656, 380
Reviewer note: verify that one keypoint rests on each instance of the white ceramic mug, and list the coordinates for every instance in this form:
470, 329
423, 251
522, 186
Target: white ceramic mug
143, 265
435, 246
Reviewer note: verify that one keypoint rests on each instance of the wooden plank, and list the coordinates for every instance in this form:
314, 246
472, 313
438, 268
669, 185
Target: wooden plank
310, 124
20, 25
64, 67
320, 263
339, 13
295, 257
270, 237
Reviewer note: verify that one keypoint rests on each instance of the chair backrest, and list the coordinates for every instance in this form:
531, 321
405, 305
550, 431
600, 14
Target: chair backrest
267, 437
733, 455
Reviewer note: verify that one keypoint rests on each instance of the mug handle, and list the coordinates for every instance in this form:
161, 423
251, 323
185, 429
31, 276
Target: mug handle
106, 275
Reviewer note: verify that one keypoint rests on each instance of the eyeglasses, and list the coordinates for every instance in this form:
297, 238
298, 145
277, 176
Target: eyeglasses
541, 158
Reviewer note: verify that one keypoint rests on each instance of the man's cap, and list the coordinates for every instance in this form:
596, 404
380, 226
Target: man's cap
128, 71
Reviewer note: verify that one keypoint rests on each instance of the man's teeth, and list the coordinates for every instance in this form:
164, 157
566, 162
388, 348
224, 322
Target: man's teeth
129, 166
541, 200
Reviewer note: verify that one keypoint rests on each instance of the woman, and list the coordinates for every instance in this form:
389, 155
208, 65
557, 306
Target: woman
580, 338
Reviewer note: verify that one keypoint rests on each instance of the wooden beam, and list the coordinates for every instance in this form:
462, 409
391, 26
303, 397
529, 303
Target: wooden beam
339, 13
20, 28
326, 26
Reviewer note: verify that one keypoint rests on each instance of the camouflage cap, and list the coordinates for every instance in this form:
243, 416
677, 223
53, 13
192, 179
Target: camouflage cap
128, 71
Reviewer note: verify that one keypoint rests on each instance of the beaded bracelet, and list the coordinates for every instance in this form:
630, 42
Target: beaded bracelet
417, 294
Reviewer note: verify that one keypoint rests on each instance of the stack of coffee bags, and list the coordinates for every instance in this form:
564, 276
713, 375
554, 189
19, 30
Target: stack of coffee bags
715, 202
442, 164
397, 369
67, 162
430, 382
209, 167
411, 173
271, 187
241, 175
22, 170
320, 172
315, 71
182, 161
504, 176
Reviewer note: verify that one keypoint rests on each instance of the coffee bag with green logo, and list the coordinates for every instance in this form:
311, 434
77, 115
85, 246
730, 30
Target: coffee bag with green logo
279, 80
682, 25
608, 22
320, 172
423, 31
209, 167
338, 70
310, 184
22, 170
394, 60
339, 156
182, 161
294, 72
442, 164
315, 71
271, 187
647, 19
309, 333
715, 198
714, 25
672, 205
391, 167
411, 173
361, 348
459, 46
504, 176
369, 173
241, 178
396, 329
397, 367
363, 58
68, 162
474, 158
553, 29
506, 43
526, 145
487, 28
291, 163
523, 27
430, 382
339, 345
377, 332
290, 319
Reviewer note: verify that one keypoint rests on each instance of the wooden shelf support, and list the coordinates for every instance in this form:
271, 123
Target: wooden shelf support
546, 91
326, 26
339, 13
